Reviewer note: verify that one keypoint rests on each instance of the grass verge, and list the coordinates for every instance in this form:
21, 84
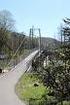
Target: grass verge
30, 88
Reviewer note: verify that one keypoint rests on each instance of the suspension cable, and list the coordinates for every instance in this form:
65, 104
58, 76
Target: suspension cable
15, 53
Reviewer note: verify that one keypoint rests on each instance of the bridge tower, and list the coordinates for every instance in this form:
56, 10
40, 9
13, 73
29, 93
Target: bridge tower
32, 36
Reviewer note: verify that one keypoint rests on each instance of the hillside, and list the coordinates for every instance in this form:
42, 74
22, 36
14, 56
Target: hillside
49, 43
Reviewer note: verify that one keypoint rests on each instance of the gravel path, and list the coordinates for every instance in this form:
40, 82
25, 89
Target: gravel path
9, 80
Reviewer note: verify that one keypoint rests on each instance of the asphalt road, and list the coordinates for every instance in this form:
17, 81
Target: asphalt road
9, 80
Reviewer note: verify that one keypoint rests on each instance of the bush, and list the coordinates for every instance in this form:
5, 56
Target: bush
65, 103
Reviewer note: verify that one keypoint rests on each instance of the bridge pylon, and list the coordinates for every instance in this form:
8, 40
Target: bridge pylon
32, 36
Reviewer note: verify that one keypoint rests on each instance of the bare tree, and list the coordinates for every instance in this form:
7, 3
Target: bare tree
6, 26
6, 20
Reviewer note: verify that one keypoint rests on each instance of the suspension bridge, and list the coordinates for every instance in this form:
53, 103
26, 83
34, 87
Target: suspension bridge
8, 80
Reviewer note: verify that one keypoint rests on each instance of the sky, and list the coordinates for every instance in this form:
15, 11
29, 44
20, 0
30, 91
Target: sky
44, 14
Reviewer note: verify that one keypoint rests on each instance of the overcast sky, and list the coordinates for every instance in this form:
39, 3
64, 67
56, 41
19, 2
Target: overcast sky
44, 14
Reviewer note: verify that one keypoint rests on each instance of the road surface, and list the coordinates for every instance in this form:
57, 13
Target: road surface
9, 80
